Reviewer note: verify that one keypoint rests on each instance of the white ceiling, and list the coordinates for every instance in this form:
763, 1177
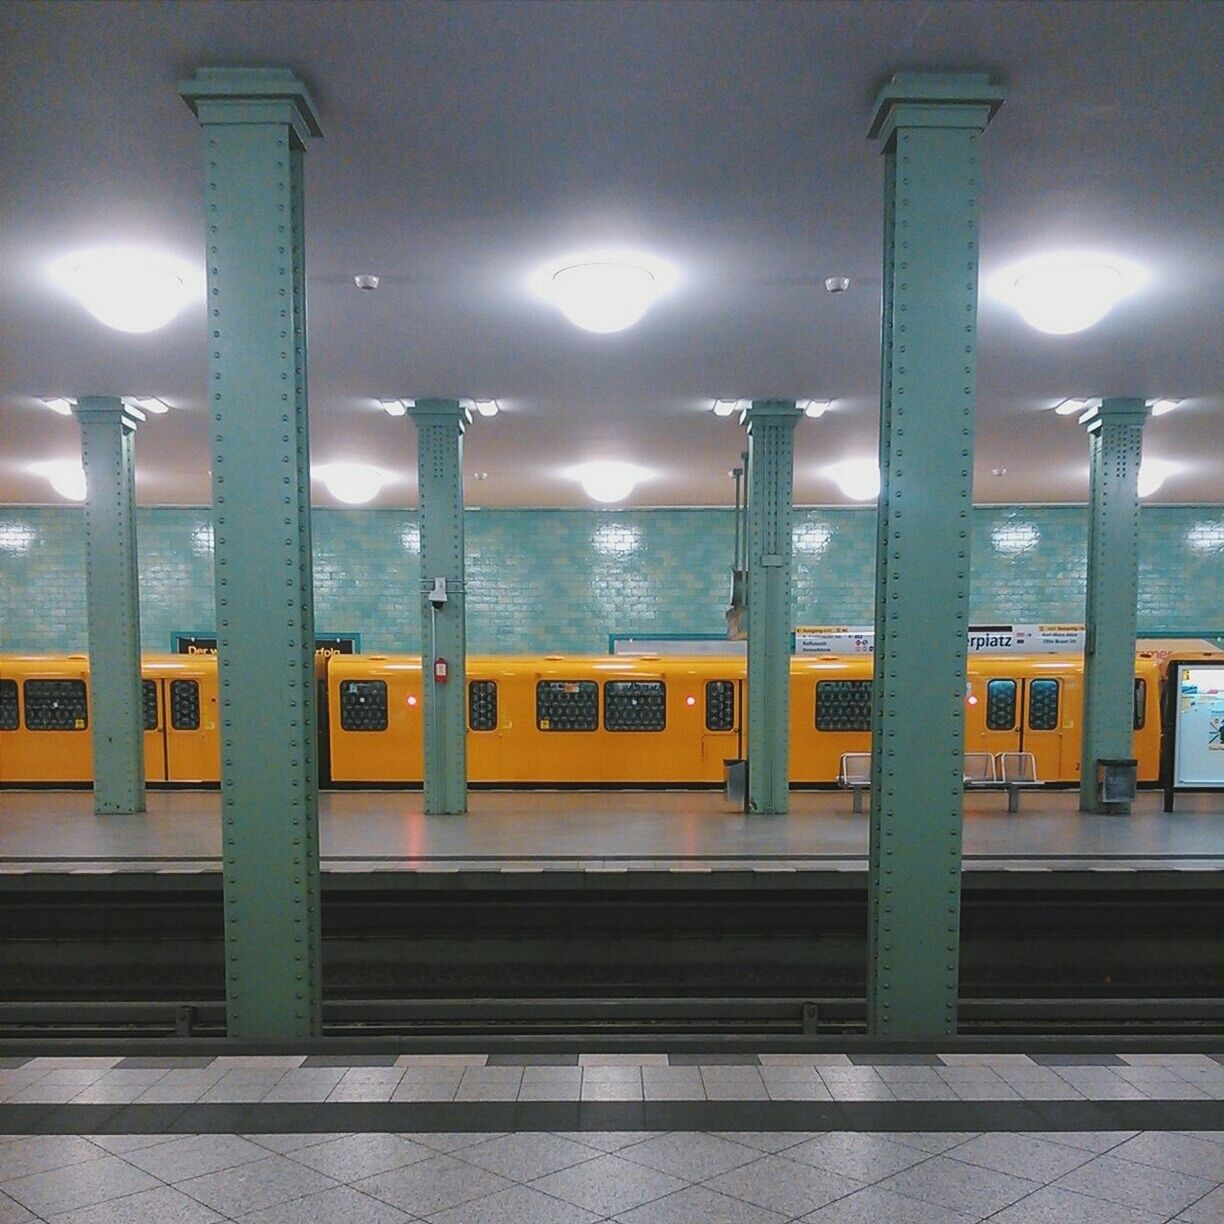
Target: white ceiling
466, 143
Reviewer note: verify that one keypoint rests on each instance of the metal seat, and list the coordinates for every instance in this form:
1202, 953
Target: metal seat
980, 769
1017, 769
854, 774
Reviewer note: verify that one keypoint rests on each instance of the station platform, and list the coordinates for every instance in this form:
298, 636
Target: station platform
606, 831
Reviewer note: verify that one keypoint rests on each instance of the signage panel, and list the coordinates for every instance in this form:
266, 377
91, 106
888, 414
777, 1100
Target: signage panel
988, 639
326, 644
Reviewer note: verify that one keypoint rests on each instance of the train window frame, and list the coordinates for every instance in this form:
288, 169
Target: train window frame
376, 686
1056, 713
723, 693
609, 725
1015, 704
78, 724
177, 687
854, 686
490, 687
7, 722
584, 687
148, 688
1140, 715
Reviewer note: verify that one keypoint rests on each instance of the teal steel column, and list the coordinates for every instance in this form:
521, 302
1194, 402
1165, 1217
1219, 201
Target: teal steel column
108, 431
256, 124
440, 424
1115, 436
771, 471
930, 127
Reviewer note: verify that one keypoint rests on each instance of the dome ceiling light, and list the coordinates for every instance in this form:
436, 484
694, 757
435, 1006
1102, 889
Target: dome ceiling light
604, 292
1064, 294
1161, 407
59, 405
487, 407
1153, 473
352, 483
858, 479
815, 408
128, 288
725, 407
395, 407
608, 481
66, 477
1072, 407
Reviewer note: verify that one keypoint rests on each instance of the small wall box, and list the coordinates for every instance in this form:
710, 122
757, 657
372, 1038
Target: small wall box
1194, 727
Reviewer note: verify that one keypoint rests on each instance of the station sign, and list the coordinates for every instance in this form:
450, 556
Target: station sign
326, 644
983, 639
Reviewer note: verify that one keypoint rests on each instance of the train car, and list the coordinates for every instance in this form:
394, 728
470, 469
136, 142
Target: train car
550, 721
45, 734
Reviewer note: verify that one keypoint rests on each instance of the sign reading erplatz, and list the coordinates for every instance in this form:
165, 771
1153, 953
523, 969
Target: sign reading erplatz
983, 639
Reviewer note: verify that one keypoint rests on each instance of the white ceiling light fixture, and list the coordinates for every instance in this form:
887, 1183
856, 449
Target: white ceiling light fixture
858, 479
815, 408
1072, 407
604, 291
1061, 294
487, 407
395, 407
352, 483
129, 288
1162, 407
59, 405
725, 407
609, 480
66, 477
151, 404
1153, 473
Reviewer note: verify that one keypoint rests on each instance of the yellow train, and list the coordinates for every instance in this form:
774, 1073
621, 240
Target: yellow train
557, 720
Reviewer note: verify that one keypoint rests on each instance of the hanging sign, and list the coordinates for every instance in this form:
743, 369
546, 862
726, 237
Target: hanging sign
983, 639
326, 644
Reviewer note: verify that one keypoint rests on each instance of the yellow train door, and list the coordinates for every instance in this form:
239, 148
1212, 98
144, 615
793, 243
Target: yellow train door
1050, 728
152, 708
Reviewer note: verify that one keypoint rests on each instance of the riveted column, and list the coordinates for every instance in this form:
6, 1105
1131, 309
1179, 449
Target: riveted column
256, 123
1115, 438
108, 431
440, 424
930, 127
771, 471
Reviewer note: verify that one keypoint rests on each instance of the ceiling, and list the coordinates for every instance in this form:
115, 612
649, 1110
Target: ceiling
464, 144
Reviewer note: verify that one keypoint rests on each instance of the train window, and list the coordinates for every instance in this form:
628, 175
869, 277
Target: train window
56, 705
635, 705
1043, 705
482, 705
148, 703
720, 705
185, 705
363, 705
843, 705
1140, 702
1001, 705
567, 705
8, 705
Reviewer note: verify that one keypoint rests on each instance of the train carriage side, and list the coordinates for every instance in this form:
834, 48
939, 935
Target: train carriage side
830, 714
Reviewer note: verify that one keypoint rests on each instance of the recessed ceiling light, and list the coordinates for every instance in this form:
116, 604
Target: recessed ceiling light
1063, 294
725, 407
815, 408
487, 407
1162, 406
1153, 473
858, 479
66, 476
59, 404
152, 404
127, 288
395, 407
1072, 407
351, 483
609, 481
366, 281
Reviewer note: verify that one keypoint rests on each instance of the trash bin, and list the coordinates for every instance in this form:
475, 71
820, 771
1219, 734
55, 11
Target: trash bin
1117, 780
735, 787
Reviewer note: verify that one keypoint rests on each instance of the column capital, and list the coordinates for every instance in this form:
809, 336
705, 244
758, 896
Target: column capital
251, 95
107, 408
439, 410
1116, 410
934, 99
771, 410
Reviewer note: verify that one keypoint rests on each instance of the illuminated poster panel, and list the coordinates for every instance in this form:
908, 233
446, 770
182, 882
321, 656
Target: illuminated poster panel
1198, 727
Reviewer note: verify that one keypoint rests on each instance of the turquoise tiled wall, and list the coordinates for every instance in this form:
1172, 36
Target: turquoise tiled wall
564, 579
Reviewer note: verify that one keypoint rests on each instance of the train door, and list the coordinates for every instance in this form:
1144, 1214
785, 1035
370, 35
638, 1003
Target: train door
723, 736
191, 751
485, 734
996, 717
152, 702
1045, 712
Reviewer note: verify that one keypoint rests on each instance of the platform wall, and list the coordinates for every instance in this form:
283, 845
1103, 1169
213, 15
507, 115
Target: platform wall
564, 579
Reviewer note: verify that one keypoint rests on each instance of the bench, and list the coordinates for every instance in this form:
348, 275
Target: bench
1009, 771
